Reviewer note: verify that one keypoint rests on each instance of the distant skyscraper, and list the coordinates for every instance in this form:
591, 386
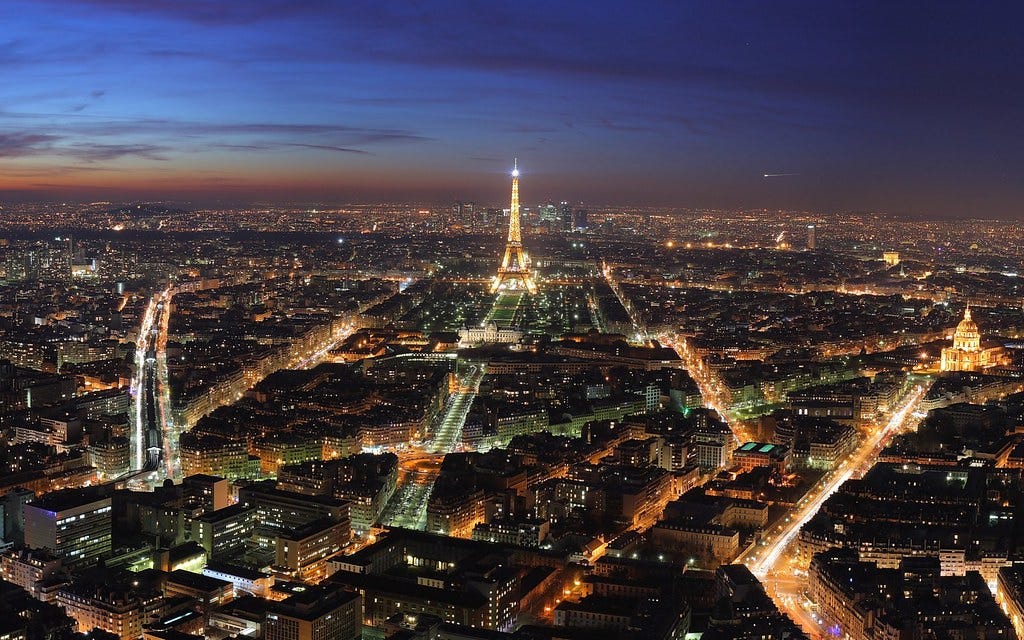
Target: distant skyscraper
22, 265
459, 214
465, 214
549, 213
492, 215
565, 213
49, 261
579, 218
514, 272
812, 240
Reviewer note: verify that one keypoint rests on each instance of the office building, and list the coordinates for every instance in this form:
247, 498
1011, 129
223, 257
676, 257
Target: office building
225, 532
316, 613
75, 524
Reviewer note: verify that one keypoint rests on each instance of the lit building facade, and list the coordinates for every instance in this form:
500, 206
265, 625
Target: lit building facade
225, 531
113, 610
713, 446
304, 552
112, 458
488, 333
315, 613
214, 455
35, 571
967, 354
761, 454
75, 525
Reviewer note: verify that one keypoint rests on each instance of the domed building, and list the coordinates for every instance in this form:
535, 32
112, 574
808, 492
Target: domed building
967, 353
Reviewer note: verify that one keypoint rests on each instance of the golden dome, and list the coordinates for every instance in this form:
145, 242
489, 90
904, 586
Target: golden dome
967, 335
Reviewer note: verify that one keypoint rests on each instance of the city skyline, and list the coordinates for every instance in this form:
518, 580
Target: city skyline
727, 419
898, 109
439, 320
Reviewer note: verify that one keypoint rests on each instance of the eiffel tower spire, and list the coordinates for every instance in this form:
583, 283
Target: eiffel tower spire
514, 272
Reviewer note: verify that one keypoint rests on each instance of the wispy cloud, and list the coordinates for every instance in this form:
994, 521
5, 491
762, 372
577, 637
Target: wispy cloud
271, 146
97, 139
334, 134
21, 144
328, 147
102, 152
214, 13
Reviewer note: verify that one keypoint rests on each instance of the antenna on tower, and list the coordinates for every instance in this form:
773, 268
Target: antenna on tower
515, 166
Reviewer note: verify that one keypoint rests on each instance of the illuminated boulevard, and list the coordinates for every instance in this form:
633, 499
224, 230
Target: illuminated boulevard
154, 434
420, 466
711, 388
774, 560
153, 443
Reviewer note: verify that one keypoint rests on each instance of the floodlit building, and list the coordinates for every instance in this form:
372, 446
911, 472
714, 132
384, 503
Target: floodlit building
34, 570
967, 354
761, 454
115, 610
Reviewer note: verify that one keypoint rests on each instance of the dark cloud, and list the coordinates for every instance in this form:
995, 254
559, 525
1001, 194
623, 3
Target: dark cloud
213, 13
633, 128
337, 133
270, 146
83, 139
358, 135
102, 152
910, 102
26, 144
327, 147
20, 144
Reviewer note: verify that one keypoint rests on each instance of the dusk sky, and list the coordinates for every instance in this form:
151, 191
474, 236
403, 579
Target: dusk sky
901, 107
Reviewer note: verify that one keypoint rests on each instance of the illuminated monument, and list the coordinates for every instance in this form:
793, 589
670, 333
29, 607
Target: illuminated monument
967, 354
514, 272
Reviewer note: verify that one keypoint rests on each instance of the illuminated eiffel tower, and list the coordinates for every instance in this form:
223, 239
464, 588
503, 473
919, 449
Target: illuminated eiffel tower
514, 272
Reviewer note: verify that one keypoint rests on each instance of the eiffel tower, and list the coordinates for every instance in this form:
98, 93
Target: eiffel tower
514, 272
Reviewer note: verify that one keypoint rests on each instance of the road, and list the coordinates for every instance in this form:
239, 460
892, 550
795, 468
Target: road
308, 361
774, 560
712, 391
153, 439
417, 472
711, 388
138, 438
448, 430
408, 506
639, 328
154, 435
